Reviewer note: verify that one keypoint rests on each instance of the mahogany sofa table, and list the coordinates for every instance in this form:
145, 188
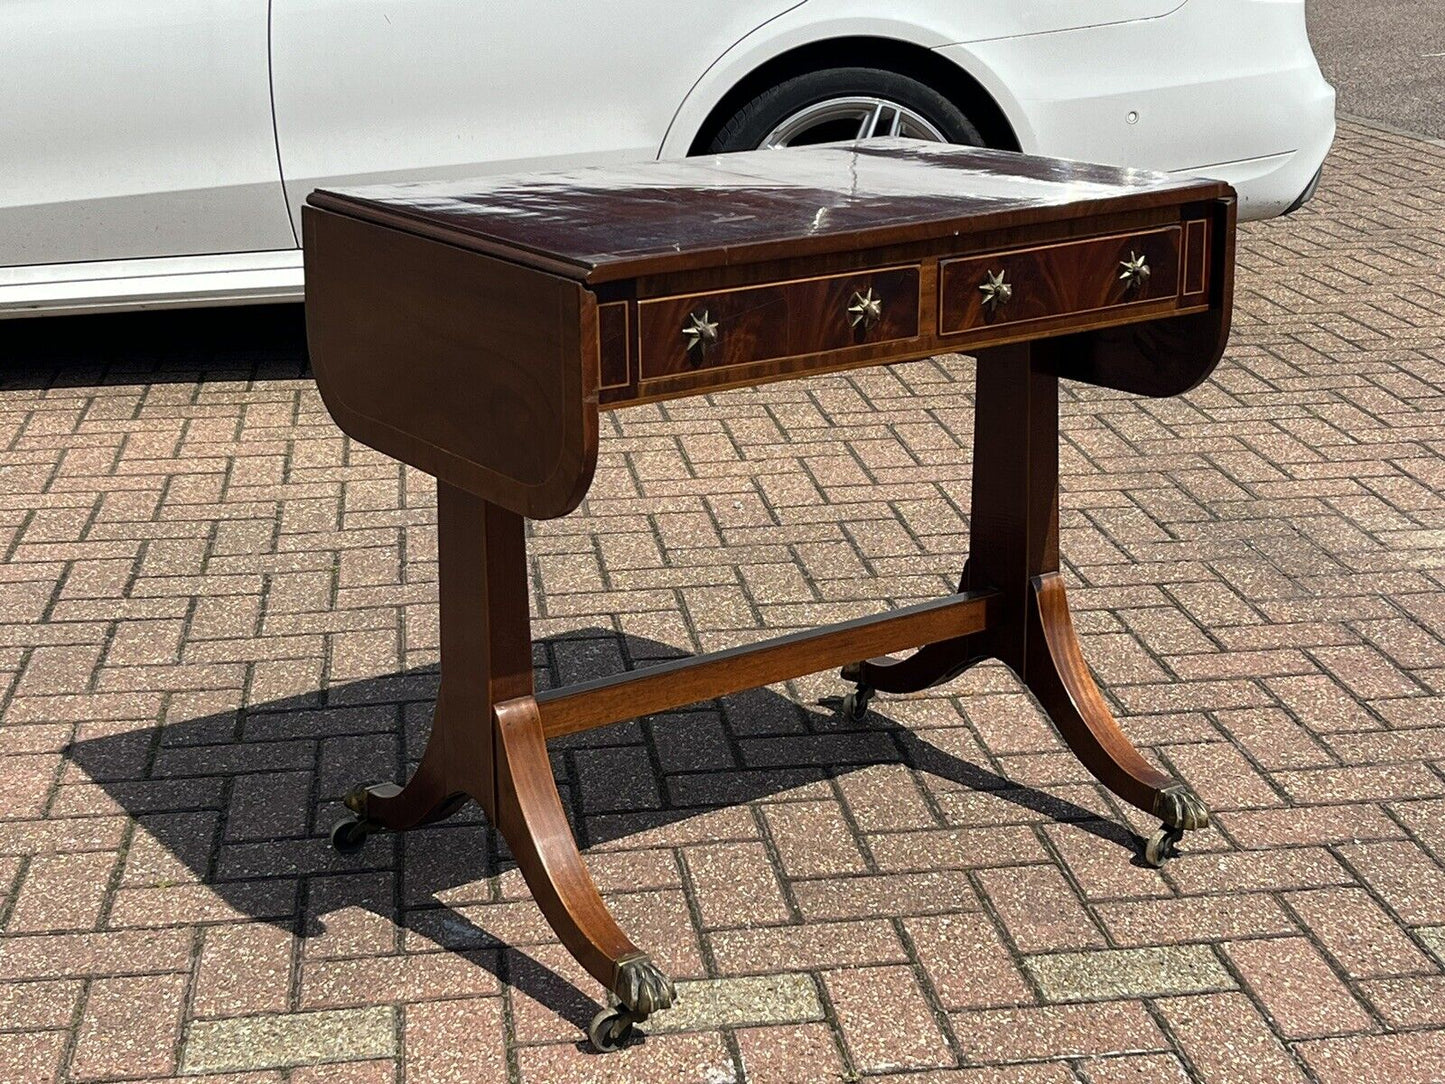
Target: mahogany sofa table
475, 329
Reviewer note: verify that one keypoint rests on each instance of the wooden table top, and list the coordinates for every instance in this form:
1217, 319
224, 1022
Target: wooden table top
606, 223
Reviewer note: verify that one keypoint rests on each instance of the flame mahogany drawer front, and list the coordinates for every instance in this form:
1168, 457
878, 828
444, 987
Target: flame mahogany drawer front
1021, 286
701, 332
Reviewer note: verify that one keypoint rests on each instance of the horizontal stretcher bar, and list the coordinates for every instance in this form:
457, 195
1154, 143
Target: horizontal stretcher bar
672, 684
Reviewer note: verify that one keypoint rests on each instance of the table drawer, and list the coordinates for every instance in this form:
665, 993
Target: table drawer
699, 332
1059, 280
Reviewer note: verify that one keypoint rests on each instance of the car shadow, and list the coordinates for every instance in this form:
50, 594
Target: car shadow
243, 800
173, 346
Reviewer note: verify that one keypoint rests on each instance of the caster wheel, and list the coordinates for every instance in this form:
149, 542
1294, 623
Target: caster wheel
855, 704
348, 835
1162, 845
610, 1029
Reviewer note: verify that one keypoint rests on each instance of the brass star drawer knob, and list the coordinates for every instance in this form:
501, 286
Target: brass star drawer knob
699, 332
865, 309
1134, 272
996, 292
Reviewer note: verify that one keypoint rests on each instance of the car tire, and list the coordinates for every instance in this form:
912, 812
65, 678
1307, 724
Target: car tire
810, 95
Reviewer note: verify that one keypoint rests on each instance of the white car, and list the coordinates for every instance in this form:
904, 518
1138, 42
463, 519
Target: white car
157, 152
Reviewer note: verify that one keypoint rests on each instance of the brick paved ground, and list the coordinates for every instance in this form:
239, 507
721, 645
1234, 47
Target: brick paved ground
215, 615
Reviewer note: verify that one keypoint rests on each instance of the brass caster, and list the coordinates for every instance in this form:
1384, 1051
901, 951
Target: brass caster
1162, 845
639, 989
355, 800
611, 1029
855, 704
1179, 807
349, 834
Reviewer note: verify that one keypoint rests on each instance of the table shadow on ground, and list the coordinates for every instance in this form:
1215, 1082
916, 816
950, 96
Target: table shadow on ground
245, 799
181, 346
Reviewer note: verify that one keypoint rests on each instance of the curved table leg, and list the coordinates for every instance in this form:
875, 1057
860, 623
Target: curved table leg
930, 665
428, 796
531, 818
1056, 673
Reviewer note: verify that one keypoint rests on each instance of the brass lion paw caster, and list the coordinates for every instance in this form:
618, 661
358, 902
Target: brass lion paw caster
640, 990
1181, 810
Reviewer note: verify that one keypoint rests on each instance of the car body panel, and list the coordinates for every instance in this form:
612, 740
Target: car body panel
378, 90
1263, 121
136, 129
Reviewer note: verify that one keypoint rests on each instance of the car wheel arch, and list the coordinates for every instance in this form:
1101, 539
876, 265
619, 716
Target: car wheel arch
891, 54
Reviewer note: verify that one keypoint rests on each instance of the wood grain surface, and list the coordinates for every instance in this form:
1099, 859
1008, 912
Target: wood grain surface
1073, 279
788, 319
479, 372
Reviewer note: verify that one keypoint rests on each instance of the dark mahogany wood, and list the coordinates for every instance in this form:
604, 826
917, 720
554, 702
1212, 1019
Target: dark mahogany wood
475, 329
764, 323
488, 381
606, 223
614, 339
1060, 280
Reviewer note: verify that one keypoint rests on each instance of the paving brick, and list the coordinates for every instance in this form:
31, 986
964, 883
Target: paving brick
59, 669
1039, 909
62, 892
94, 954
1414, 1002
262, 1042
816, 945
813, 839
1361, 783
1135, 1069
1223, 776
761, 999
967, 963
455, 1040
1112, 974
1360, 936
1057, 1031
1226, 1040
886, 798
792, 1054
356, 1072
36, 1006
1320, 825
129, 1026
1044, 1073
885, 1019
1412, 1058
884, 895
1095, 858
735, 885
549, 993
243, 970
1404, 876
1258, 871
33, 778
31, 1057
1297, 988
415, 977
956, 848
662, 1059
1273, 740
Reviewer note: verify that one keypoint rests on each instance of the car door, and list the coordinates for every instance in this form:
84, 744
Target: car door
136, 129
390, 89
